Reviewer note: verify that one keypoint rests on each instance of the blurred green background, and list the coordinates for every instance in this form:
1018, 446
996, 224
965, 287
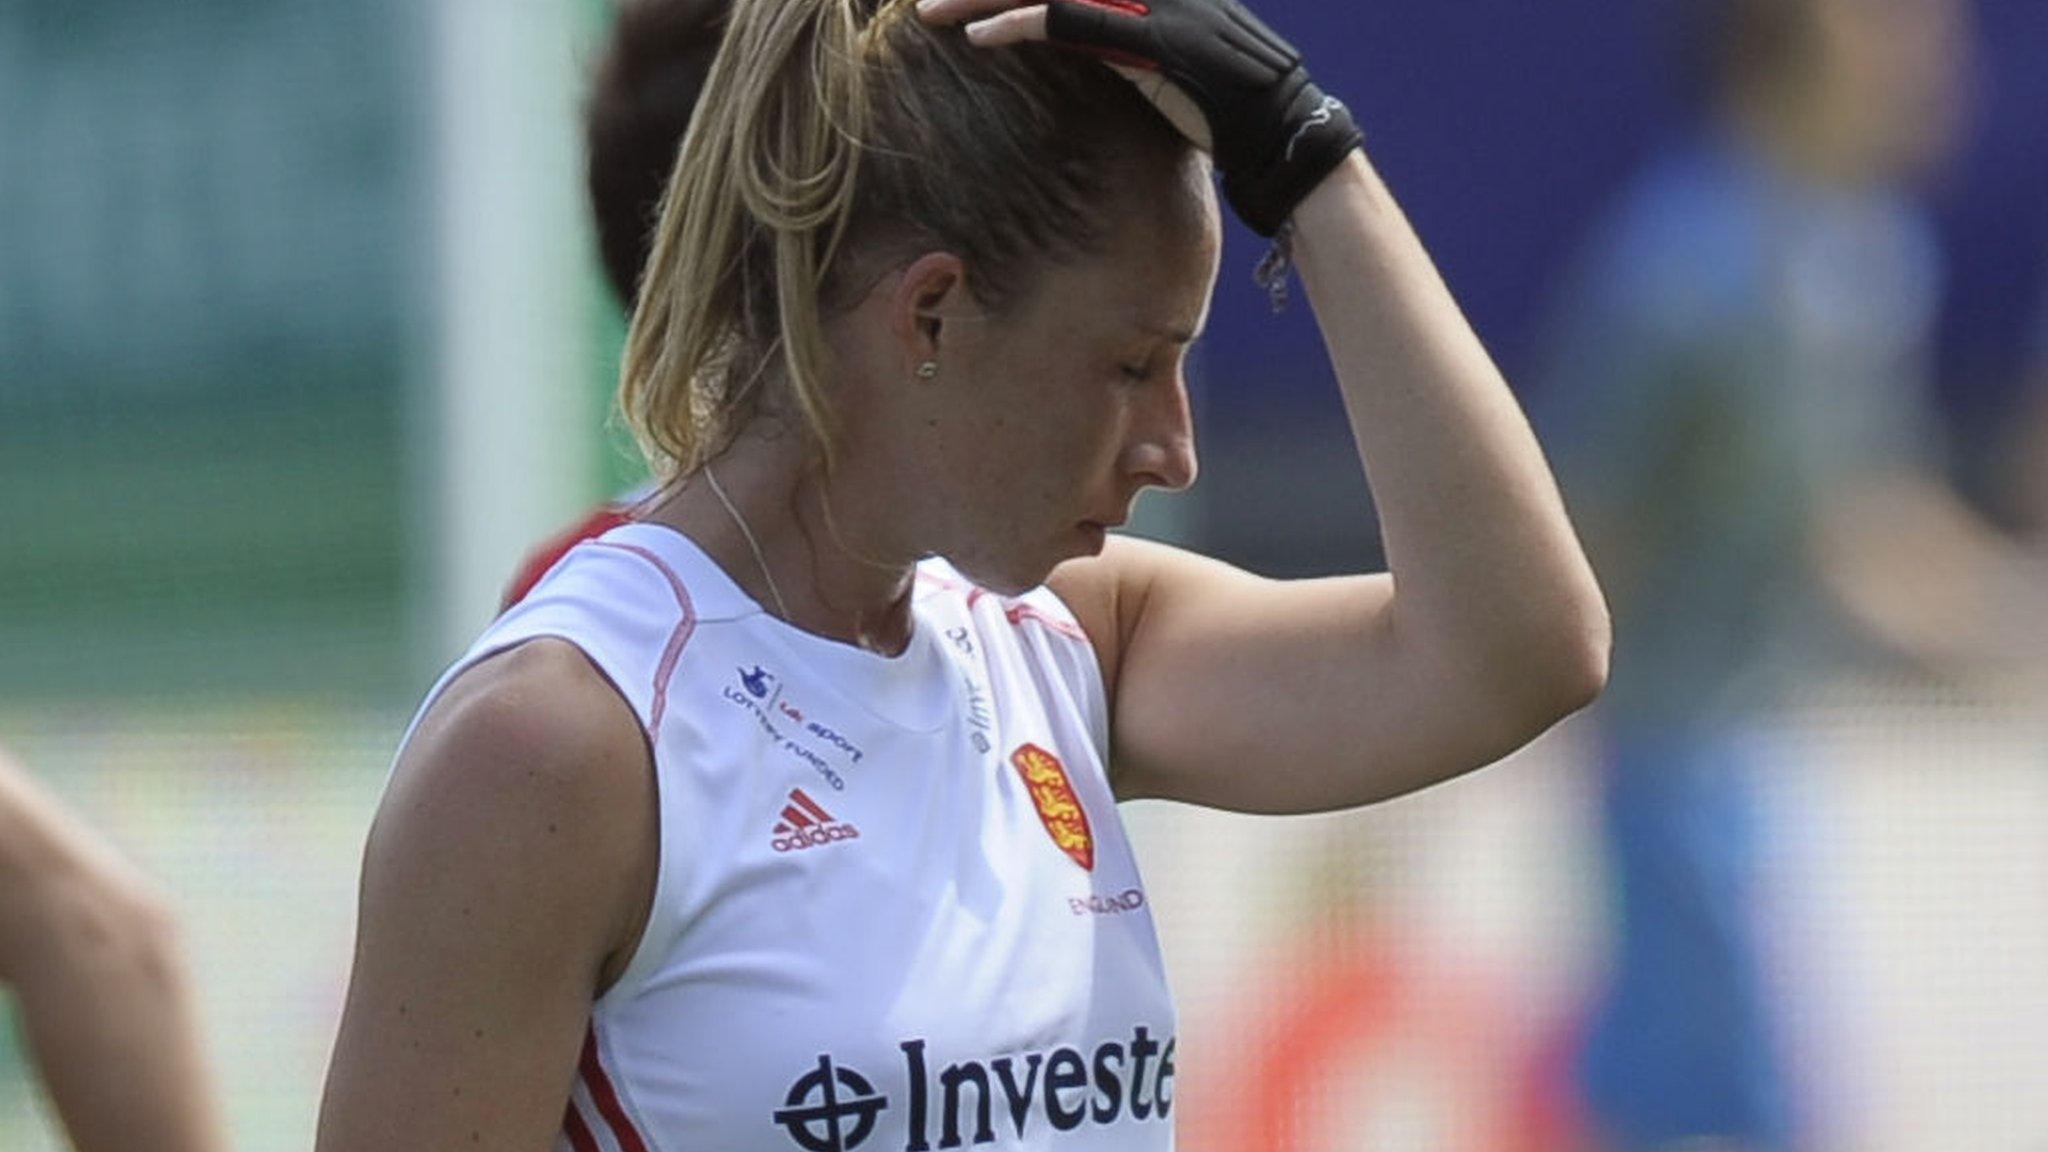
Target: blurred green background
209, 223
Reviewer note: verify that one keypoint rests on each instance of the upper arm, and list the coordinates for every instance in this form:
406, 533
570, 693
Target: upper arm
1235, 691
507, 873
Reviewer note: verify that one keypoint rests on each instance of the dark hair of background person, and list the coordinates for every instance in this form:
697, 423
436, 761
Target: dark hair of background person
643, 89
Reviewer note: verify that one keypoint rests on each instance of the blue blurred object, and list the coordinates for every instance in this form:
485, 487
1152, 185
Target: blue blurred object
1684, 1043
1737, 395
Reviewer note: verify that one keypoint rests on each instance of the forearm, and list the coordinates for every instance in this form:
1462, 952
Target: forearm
93, 960
1490, 577
110, 1024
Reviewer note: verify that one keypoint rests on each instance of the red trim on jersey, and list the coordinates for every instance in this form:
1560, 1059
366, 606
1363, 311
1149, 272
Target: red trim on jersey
1014, 611
1019, 613
606, 1097
549, 552
580, 1137
676, 640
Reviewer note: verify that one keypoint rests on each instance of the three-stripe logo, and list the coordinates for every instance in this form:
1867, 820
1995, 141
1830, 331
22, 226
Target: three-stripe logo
806, 824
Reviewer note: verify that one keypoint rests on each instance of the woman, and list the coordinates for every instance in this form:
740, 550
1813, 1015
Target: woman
758, 824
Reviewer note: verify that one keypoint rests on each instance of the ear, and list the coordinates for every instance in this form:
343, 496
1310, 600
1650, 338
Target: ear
927, 301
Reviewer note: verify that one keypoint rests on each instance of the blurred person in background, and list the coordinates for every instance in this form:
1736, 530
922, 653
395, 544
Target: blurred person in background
919, 294
2025, 475
89, 951
1740, 409
642, 92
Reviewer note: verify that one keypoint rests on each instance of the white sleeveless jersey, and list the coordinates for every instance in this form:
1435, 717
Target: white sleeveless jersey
895, 909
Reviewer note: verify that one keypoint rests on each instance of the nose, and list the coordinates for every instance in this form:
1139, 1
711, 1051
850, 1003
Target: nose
1161, 450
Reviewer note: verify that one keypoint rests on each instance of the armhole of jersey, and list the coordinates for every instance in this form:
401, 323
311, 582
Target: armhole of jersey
539, 619
1079, 665
498, 646
656, 921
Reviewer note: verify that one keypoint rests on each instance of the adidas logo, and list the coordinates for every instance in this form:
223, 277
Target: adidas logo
806, 825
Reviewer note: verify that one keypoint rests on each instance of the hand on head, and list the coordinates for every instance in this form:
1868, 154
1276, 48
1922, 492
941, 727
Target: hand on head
1227, 81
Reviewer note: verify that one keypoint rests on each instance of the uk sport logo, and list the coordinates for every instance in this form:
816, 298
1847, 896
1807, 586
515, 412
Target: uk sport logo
806, 824
759, 682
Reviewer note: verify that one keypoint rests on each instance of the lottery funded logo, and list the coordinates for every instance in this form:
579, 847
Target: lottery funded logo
818, 745
830, 1109
1059, 807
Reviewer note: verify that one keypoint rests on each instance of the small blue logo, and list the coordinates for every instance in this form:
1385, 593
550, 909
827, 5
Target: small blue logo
758, 683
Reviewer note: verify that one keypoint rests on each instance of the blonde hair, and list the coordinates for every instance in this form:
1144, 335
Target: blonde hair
828, 141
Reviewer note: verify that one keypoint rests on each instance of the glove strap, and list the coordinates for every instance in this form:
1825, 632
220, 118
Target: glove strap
1322, 134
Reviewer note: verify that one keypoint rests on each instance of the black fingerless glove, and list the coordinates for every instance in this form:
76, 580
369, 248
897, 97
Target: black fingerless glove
1275, 134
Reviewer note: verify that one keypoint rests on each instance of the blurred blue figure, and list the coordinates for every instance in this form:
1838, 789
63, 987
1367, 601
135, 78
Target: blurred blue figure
1738, 404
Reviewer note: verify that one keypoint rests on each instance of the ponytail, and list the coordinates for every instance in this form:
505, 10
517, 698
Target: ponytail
755, 211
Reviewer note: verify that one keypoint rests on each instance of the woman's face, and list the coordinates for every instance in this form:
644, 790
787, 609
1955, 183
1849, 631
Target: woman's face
1047, 420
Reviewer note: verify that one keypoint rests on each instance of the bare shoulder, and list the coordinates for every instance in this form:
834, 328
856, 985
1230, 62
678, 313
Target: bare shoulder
1110, 593
534, 755
1095, 590
507, 877
536, 717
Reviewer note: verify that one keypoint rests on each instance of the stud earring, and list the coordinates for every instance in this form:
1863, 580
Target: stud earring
928, 371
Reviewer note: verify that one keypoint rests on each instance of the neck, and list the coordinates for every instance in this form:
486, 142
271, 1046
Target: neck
813, 566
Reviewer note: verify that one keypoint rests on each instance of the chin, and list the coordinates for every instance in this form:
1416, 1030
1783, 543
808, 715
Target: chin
1008, 569
1006, 575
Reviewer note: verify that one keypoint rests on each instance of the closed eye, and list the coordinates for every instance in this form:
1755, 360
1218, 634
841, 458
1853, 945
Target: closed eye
1149, 370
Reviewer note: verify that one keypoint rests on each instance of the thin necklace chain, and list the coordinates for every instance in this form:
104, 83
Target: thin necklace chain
753, 545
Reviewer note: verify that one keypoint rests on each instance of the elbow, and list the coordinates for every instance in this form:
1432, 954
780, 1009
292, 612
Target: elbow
1584, 655
1582, 677
136, 943
1574, 669
114, 925
1562, 661
1546, 677
155, 938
